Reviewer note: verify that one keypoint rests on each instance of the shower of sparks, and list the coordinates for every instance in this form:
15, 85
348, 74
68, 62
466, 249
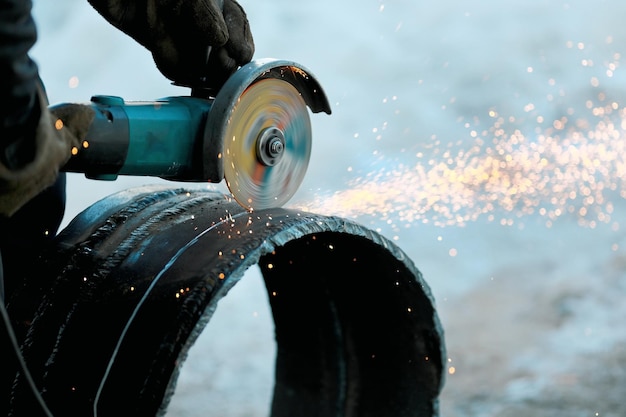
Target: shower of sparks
574, 168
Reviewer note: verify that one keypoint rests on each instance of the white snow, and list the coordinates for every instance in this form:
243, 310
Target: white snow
486, 138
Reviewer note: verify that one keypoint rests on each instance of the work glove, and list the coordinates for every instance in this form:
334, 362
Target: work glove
180, 32
50, 148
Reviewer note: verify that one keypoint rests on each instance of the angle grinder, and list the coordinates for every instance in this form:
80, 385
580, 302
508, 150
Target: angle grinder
254, 133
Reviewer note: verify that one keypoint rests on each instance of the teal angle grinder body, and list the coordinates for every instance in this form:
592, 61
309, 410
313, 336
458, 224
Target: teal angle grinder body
254, 133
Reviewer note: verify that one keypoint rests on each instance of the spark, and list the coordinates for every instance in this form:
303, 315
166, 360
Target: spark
569, 167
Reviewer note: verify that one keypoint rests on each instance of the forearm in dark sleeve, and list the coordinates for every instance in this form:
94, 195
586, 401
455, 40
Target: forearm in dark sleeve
19, 109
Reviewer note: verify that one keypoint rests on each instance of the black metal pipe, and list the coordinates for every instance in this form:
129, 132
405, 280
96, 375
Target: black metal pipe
133, 280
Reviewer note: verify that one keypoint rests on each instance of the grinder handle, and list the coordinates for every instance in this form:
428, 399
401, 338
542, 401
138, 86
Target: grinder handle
200, 90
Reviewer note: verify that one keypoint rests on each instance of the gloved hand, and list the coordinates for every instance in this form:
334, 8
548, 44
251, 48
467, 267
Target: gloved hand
50, 148
179, 32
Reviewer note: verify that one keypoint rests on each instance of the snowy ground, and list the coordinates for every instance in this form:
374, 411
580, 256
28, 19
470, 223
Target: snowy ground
486, 138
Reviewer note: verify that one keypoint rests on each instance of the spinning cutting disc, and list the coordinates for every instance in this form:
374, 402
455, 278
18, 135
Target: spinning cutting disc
267, 144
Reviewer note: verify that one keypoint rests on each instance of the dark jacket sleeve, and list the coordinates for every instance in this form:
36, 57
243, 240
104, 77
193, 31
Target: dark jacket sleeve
19, 109
32, 149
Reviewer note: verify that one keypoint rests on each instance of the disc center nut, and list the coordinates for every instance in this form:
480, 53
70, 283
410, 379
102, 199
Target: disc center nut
270, 146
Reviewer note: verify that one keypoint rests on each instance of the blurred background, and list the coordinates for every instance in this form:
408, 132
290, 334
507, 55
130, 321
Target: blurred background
486, 139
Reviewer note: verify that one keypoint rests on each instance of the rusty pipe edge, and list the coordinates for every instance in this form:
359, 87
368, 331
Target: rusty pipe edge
118, 300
